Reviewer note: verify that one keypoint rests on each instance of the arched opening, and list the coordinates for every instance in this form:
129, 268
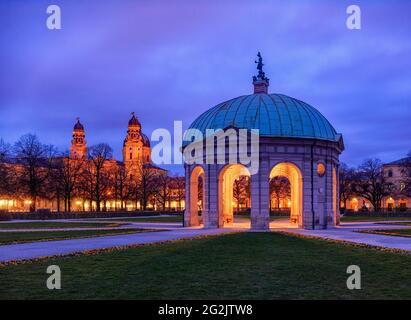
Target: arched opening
196, 204
390, 204
288, 171
233, 194
402, 204
280, 196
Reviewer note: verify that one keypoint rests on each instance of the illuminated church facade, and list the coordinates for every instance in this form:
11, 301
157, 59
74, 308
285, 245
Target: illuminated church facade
136, 161
136, 146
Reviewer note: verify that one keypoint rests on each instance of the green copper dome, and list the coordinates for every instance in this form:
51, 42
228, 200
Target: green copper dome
275, 115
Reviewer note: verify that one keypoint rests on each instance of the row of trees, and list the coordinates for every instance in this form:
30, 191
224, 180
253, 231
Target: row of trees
32, 170
373, 184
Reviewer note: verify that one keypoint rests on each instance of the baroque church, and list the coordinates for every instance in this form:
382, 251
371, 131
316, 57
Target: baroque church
136, 146
136, 160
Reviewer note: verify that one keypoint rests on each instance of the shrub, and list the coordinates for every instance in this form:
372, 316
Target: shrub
4, 215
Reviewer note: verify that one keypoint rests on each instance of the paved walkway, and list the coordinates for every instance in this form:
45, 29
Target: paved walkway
128, 225
345, 232
32, 250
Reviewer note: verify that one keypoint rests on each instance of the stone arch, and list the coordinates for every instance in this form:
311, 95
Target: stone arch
226, 179
293, 174
193, 218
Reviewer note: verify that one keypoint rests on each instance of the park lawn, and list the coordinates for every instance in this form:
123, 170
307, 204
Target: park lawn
233, 266
147, 219
19, 237
56, 225
368, 218
391, 232
403, 223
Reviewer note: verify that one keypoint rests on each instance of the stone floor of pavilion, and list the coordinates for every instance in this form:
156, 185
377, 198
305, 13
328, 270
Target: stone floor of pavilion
245, 223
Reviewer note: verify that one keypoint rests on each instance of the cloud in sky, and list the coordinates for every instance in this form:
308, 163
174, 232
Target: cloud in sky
172, 60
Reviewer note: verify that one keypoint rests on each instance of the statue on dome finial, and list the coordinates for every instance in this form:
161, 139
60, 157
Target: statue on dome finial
132, 114
260, 64
260, 81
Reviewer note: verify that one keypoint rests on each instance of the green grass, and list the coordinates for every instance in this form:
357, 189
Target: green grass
235, 266
368, 218
55, 225
404, 223
391, 232
147, 219
18, 237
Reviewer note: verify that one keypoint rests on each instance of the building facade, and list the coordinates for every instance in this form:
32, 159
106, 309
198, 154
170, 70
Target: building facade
135, 166
398, 199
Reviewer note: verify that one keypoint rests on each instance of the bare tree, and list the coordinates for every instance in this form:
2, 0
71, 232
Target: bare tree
35, 162
121, 185
86, 185
98, 155
145, 185
347, 182
67, 174
240, 191
370, 182
6, 172
179, 187
163, 190
280, 188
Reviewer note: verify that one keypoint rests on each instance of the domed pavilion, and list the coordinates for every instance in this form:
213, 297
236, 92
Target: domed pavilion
295, 142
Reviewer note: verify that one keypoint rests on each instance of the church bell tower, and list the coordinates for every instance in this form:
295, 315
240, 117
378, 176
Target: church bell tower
78, 148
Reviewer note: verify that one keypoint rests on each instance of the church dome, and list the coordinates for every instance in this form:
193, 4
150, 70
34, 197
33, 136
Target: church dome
78, 125
134, 121
275, 115
146, 140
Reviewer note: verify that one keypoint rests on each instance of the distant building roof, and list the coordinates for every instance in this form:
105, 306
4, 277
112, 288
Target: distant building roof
406, 160
152, 166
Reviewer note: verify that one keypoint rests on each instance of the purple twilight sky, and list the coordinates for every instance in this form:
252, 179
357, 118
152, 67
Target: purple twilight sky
172, 60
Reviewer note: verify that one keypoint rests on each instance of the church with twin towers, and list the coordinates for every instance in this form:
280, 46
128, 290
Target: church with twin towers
136, 146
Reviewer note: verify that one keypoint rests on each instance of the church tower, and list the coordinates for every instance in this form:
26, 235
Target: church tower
78, 148
136, 147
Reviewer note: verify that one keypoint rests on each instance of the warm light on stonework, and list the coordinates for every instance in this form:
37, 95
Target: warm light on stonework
320, 169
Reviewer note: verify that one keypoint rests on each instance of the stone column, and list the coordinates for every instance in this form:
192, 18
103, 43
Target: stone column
211, 196
260, 207
306, 212
187, 208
